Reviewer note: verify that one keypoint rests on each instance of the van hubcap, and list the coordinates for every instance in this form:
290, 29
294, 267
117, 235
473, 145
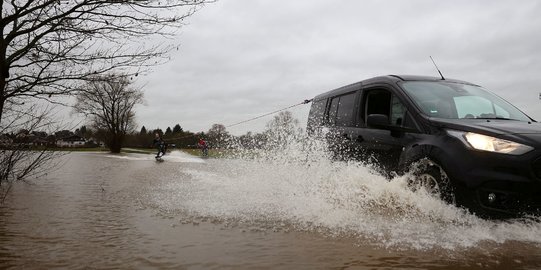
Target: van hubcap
428, 183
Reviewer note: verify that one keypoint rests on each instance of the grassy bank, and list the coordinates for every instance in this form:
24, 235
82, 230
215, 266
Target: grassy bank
213, 153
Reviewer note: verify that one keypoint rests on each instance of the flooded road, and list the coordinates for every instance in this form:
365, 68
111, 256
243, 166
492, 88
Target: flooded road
128, 211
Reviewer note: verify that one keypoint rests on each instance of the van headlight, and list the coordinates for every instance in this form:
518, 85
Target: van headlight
490, 144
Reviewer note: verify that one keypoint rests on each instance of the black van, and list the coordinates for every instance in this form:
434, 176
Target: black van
459, 141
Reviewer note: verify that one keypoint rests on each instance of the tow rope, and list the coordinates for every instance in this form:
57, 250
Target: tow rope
306, 101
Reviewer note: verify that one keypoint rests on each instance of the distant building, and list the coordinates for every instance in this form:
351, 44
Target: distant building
40, 142
71, 141
93, 142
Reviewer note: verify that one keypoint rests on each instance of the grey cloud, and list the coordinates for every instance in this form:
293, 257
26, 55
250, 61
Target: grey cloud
243, 58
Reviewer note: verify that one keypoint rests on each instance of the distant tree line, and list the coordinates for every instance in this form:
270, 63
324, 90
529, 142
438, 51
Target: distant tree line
176, 137
279, 131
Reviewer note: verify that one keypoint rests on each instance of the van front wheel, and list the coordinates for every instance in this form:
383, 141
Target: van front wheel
427, 175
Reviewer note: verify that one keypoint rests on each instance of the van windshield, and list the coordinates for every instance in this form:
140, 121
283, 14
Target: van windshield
457, 101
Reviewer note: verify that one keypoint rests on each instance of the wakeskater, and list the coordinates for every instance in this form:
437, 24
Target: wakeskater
160, 145
204, 147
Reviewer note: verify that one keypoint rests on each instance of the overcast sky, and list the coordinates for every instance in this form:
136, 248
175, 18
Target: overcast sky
239, 59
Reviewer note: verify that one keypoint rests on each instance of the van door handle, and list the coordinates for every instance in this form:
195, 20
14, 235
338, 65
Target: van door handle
359, 138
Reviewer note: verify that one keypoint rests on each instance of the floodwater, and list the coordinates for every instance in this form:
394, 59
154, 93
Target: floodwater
131, 212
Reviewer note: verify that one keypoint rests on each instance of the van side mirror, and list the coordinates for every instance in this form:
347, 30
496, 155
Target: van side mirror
378, 121
381, 121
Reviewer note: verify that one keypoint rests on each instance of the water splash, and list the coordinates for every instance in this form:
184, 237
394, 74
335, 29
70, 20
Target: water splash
297, 186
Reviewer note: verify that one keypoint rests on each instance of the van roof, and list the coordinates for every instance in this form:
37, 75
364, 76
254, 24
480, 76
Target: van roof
389, 79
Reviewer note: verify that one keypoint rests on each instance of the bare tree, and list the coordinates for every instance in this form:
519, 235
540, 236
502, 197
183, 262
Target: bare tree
19, 158
49, 47
217, 135
282, 128
109, 100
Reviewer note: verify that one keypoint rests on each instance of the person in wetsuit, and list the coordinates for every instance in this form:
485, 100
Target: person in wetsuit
204, 147
160, 145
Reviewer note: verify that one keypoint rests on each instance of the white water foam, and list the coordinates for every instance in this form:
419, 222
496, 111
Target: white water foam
179, 156
293, 188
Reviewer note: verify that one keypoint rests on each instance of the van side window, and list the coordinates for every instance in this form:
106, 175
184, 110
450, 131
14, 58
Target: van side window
398, 112
383, 102
331, 116
341, 110
378, 102
346, 108
317, 111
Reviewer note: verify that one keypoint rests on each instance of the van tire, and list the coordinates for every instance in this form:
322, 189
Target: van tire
430, 176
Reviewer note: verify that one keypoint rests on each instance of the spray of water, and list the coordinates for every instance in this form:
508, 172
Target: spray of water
293, 184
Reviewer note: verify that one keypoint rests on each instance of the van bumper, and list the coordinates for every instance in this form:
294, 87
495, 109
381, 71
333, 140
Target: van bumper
499, 185
503, 199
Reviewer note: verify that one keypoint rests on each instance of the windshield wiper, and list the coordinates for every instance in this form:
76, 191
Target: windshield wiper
494, 118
